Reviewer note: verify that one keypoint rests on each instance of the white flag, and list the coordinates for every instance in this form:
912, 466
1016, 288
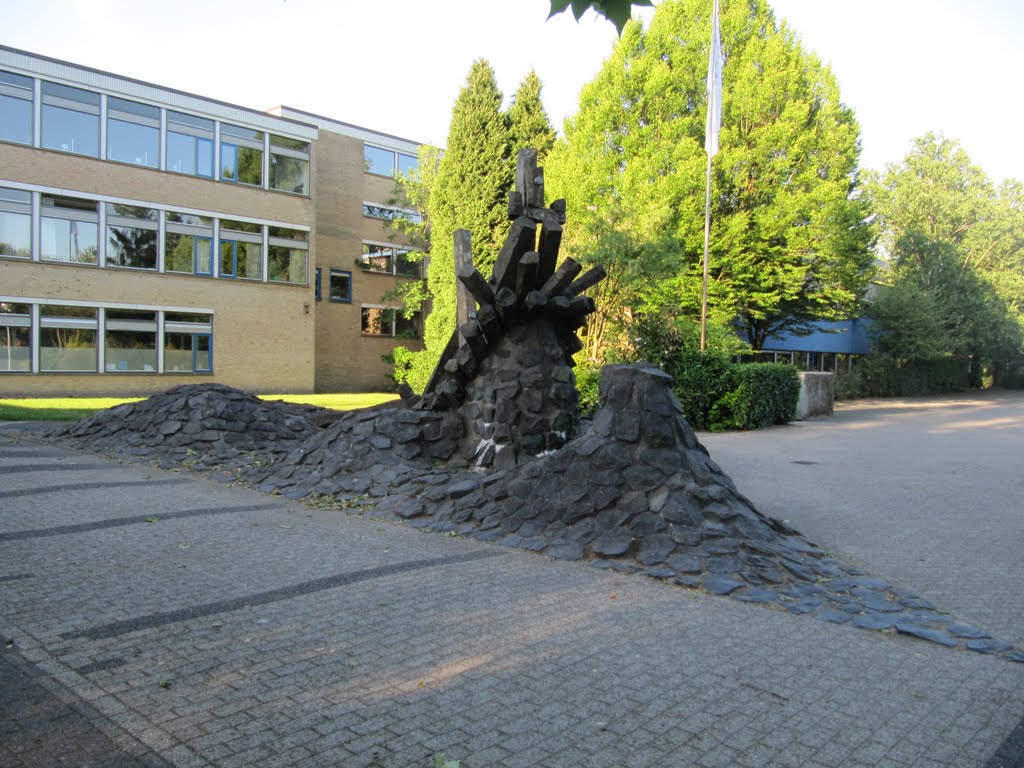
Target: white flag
714, 122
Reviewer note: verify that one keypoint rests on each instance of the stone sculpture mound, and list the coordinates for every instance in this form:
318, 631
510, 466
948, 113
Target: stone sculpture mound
198, 424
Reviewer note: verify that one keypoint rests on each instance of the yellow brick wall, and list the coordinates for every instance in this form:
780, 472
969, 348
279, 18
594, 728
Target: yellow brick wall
263, 334
347, 361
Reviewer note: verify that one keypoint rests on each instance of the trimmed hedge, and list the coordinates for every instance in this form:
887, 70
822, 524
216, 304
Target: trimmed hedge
762, 395
884, 377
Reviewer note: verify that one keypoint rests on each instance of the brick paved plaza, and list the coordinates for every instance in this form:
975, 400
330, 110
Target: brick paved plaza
159, 619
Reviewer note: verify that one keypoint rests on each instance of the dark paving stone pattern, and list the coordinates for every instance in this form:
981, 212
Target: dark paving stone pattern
39, 729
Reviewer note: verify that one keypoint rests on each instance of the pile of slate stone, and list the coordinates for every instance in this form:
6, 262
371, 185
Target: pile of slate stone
199, 425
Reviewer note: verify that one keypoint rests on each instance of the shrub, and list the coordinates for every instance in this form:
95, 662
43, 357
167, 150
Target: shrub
884, 377
762, 394
587, 379
700, 381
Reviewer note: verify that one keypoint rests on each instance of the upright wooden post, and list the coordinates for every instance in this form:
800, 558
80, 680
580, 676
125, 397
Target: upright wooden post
464, 303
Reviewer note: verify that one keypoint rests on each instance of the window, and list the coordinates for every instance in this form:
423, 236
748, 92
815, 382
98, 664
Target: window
188, 343
288, 256
15, 108
241, 250
131, 236
15, 223
388, 321
70, 229
133, 132
241, 155
389, 213
389, 260
289, 165
386, 162
70, 119
130, 341
188, 245
15, 337
67, 338
189, 144
316, 285
341, 286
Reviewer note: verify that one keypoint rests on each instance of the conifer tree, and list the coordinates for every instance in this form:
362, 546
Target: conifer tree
468, 190
529, 125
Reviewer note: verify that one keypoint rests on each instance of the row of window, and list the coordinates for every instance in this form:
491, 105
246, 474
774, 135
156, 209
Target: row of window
55, 116
387, 162
375, 320
49, 227
56, 338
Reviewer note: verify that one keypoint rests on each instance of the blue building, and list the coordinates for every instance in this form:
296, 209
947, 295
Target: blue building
832, 348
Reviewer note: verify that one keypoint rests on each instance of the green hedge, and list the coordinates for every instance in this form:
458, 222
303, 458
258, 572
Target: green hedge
761, 395
716, 393
885, 377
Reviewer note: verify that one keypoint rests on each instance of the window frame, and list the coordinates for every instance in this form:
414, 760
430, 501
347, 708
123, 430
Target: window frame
343, 274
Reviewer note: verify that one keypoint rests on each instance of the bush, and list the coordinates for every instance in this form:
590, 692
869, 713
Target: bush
761, 395
587, 379
700, 381
884, 377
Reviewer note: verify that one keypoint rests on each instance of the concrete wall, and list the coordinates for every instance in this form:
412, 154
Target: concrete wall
817, 394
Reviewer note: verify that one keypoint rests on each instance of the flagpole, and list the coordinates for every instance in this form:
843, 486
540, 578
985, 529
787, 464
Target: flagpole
714, 122
707, 243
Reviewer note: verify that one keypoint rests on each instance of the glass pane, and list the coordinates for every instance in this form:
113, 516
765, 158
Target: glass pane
406, 266
204, 255
15, 195
12, 308
69, 241
285, 143
288, 234
241, 226
249, 261
228, 251
407, 163
187, 317
129, 110
71, 131
15, 349
131, 247
289, 174
190, 219
62, 310
131, 212
242, 133
179, 253
250, 166
376, 321
18, 81
379, 161
377, 258
204, 352
90, 101
287, 265
181, 153
407, 327
199, 123
178, 352
15, 119
341, 286
204, 158
15, 234
131, 351
67, 349
228, 161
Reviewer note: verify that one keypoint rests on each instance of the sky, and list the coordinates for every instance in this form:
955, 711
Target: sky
906, 67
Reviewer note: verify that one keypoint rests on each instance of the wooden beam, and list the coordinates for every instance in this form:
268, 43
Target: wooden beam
588, 279
522, 238
463, 261
479, 289
526, 274
562, 278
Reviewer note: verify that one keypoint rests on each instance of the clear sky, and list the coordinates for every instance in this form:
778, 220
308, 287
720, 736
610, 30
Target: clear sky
905, 66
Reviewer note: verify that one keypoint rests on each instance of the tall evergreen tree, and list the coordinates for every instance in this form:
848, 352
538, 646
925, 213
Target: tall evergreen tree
465, 187
789, 242
528, 122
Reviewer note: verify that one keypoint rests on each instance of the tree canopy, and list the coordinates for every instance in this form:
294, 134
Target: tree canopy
616, 11
789, 241
955, 248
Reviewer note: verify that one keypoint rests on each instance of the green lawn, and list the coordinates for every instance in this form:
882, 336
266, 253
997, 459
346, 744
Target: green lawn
72, 408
